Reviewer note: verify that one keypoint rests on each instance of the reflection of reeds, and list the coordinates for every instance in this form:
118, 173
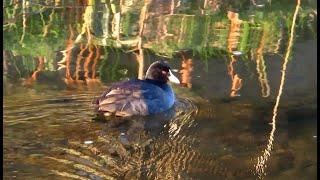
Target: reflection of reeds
87, 15
29, 81
68, 52
234, 33
78, 61
233, 41
204, 6
5, 62
119, 20
56, 2
165, 28
140, 57
215, 4
86, 63
87, 19
116, 22
262, 160
38, 69
182, 31
236, 86
172, 7
277, 45
24, 17
143, 17
186, 72
158, 30
236, 81
95, 62
261, 68
87, 22
46, 27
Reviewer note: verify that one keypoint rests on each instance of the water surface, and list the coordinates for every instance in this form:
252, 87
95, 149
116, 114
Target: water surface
246, 107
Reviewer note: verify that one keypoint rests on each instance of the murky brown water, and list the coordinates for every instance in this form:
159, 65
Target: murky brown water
246, 108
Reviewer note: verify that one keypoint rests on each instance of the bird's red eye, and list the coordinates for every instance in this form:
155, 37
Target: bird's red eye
164, 72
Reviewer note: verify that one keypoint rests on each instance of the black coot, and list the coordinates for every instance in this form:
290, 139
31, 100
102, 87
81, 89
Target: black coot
139, 97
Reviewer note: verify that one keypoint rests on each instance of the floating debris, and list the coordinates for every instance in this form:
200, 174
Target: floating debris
260, 5
237, 53
88, 142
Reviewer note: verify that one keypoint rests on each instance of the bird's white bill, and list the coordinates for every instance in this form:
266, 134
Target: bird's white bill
173, 78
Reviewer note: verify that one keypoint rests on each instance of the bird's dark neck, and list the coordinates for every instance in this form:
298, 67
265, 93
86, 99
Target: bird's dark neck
157, 82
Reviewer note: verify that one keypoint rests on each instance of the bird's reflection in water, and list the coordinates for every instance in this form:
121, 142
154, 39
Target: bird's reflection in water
153, 125
162, 146
136, 139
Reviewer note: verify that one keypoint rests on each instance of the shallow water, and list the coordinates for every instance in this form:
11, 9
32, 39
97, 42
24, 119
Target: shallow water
238, 113
45, 136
